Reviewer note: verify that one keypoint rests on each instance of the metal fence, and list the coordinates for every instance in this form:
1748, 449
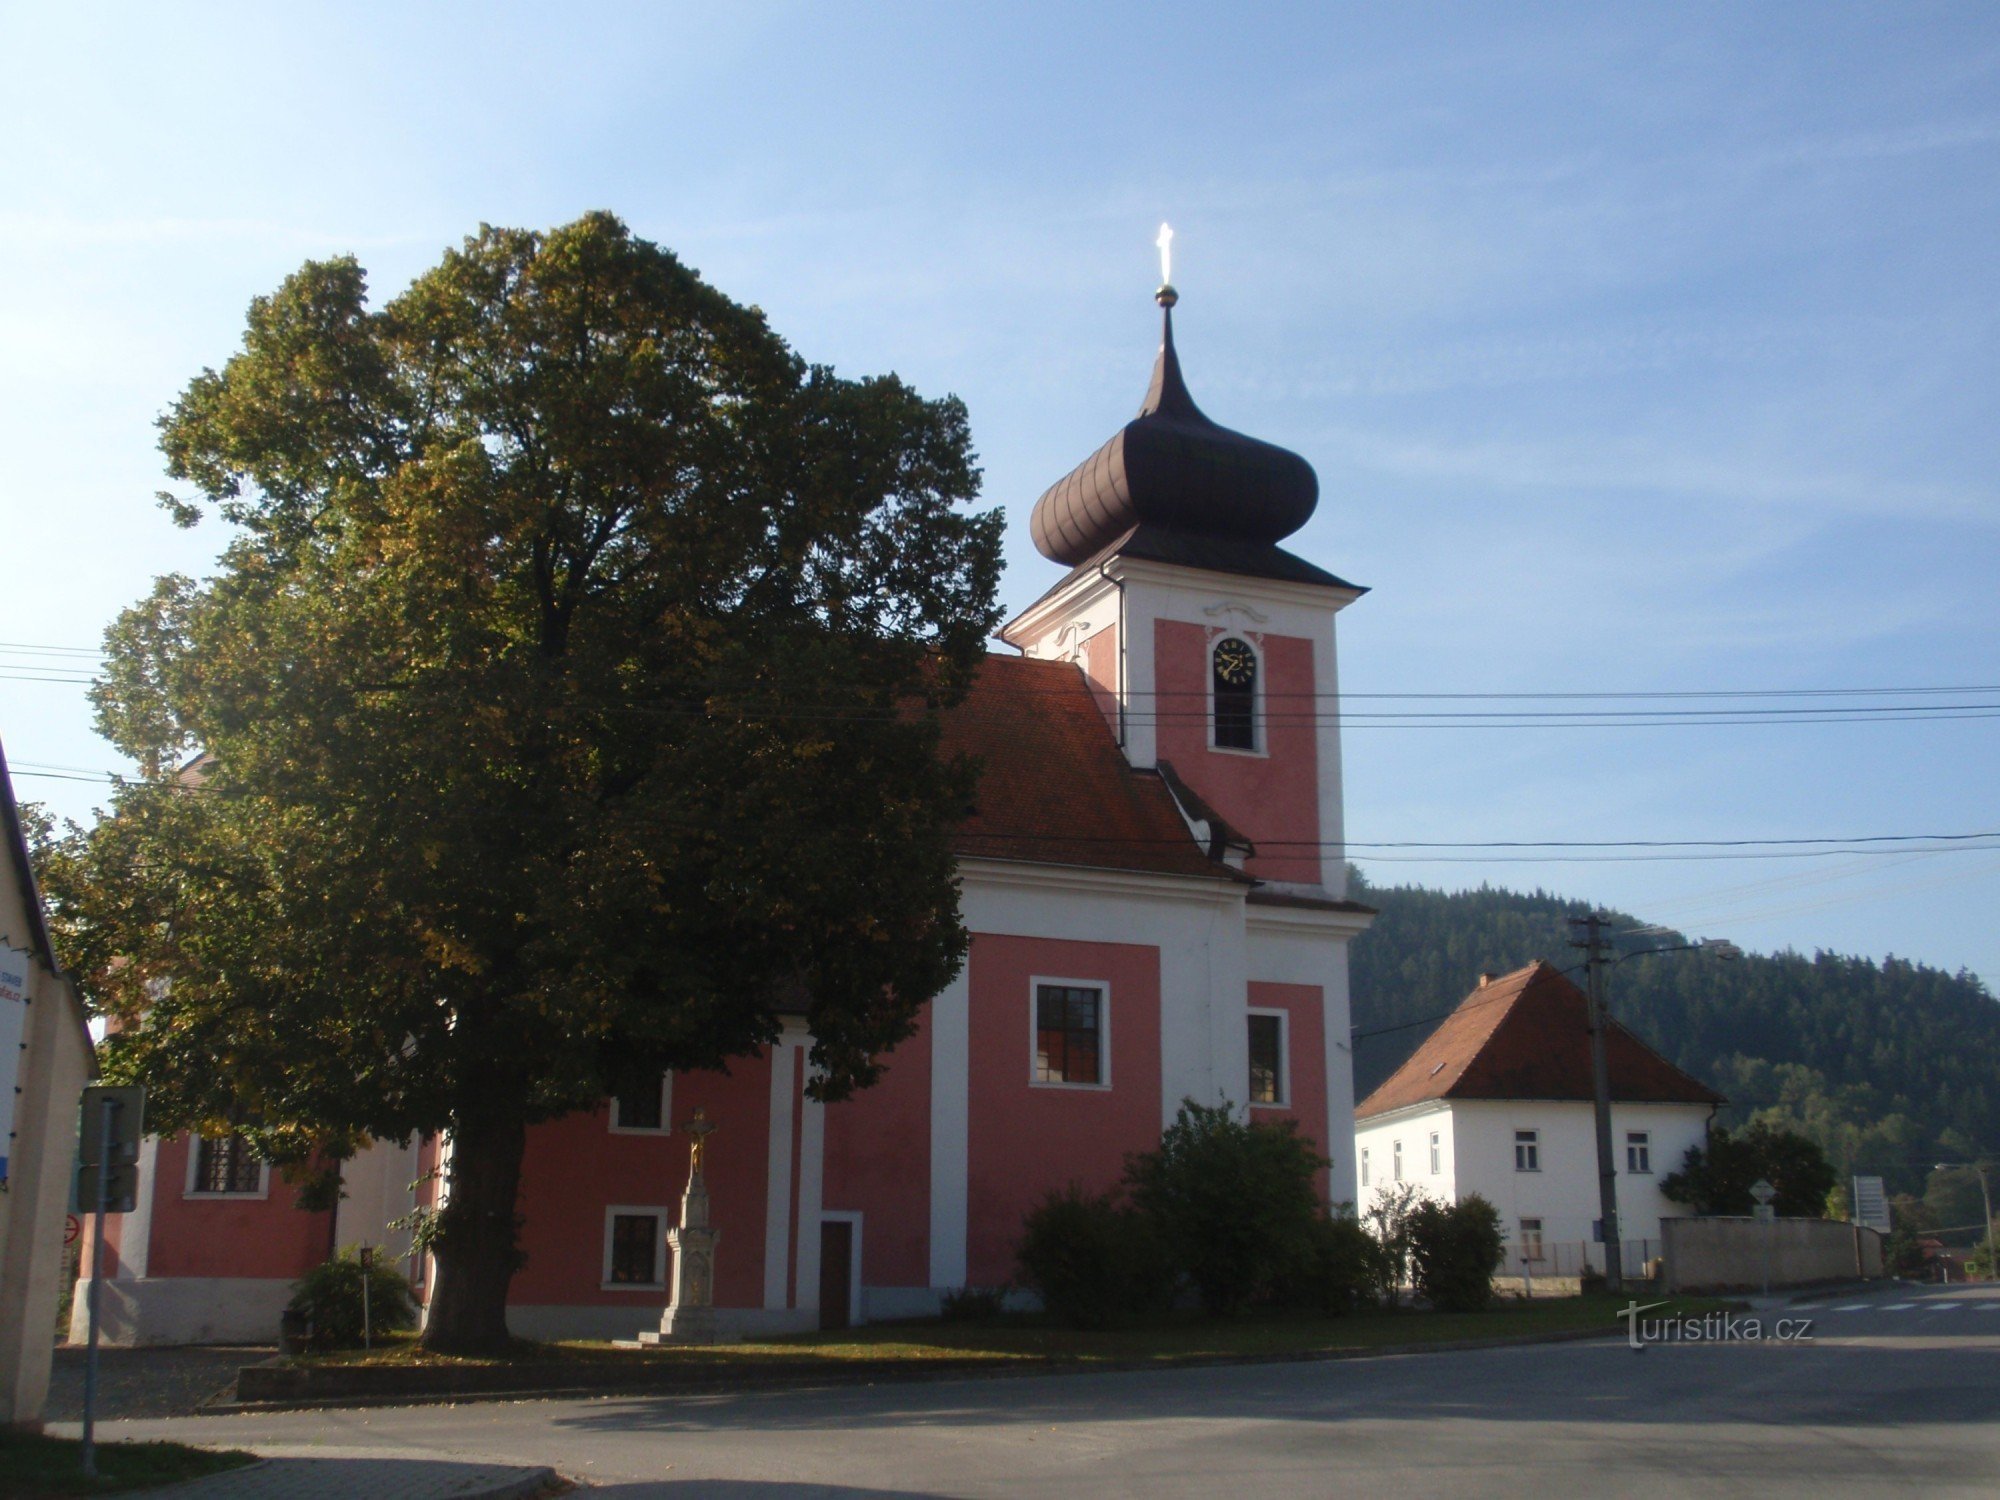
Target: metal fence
1567, 1258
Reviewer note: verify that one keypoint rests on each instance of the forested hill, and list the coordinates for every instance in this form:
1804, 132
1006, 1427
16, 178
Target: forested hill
1890, 1066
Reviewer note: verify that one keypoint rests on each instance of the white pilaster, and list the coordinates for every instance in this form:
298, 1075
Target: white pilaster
951, 1078
812, 1163
1339, 1079
135, 1242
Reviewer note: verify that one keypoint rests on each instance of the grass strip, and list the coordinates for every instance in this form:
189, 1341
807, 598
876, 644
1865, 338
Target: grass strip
34, 1464
1017, 1338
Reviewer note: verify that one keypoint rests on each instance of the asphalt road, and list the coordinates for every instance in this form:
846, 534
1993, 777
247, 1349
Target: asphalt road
1895, 1393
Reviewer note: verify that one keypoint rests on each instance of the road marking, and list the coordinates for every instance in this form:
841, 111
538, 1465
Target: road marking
1897, 1306
1851, 1307
1949, 1302
1806, 1306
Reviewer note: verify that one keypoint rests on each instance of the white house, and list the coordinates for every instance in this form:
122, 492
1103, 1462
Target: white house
1498, 1102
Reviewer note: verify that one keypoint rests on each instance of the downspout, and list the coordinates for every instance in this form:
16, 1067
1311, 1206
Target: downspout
1118, 584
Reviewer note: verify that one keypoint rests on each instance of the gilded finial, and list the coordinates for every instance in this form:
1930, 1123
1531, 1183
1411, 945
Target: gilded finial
1166, 296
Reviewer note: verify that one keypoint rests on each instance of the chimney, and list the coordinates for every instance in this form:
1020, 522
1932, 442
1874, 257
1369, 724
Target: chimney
1484, 980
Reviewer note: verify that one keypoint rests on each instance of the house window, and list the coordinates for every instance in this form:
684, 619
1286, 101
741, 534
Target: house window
1527, 1151
1396, 1160
226, 1165
1437, 1155
1364, 1166
1531, 1239
1267, 1057
1234, 682
1639, 1153
641, 1108
635, 1247
1069, 1033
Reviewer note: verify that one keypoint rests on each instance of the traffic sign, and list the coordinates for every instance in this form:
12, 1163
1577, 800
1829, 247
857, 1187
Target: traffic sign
128, 1123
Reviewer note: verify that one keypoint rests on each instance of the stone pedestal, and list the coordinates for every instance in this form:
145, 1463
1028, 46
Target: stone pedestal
690, 1314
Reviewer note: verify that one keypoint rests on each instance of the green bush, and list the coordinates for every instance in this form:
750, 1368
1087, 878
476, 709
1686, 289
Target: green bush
1388, 1223
1454, 1250
1342, 1268
972, 1304
1092, 1259
329, 1296
1236, 1202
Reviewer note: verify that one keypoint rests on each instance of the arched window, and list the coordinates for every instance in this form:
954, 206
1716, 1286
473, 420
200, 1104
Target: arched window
1235, 685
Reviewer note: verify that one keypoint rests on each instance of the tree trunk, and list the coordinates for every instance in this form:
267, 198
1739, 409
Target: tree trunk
477, 1242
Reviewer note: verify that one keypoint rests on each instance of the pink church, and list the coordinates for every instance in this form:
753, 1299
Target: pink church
1154, 882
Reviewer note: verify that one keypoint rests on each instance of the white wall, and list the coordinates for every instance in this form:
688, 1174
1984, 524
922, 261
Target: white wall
1478, 1146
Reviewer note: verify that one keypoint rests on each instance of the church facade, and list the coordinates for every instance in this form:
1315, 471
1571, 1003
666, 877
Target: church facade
1153, 878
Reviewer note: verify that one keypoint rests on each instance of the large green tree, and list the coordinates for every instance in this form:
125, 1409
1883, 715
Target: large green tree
567, 703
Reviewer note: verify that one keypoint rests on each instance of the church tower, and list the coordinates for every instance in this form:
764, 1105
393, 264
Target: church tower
1210, 647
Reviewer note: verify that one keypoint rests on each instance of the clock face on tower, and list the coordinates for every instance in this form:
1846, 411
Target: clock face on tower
1235, 663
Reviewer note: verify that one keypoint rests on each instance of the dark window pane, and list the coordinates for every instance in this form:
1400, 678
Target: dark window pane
1267, 1063
639, 1108
1068, 1034
634, 1248
226, 1165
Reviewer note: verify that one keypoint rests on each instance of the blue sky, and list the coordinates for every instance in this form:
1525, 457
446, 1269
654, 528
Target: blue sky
1639, 349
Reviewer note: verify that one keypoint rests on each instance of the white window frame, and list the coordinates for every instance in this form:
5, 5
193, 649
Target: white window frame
1531, 1140
1437, 1154
1260, 739
1284, 1099
666, 1125
188, 1189
1364, 1166
1639, 1148
1103, 988
837, 1215
1396, 1161
662, 1217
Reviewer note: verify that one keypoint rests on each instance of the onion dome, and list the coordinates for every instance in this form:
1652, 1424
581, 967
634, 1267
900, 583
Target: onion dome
1172, 468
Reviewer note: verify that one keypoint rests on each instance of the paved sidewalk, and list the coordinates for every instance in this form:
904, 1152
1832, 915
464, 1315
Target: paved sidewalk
361, 1474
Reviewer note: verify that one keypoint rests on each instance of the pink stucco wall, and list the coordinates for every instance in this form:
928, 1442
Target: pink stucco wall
1023, 1139
575, 1167
878, 1164
233, 1236
1273, 795
1304, 1006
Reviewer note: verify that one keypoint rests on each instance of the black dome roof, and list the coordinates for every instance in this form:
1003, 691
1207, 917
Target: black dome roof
1171, 467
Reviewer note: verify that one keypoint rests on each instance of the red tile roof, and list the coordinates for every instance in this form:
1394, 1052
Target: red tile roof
1056, 789
1526, 1035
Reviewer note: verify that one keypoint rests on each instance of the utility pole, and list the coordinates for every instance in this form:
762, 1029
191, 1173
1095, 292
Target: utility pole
1596, 946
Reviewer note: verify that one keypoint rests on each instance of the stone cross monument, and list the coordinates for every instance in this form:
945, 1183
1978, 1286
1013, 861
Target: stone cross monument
690, 1315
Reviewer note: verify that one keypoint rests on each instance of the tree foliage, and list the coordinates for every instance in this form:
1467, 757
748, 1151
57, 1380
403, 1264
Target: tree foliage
1718, 1179
1888, 1066
567, 701
1237, 1202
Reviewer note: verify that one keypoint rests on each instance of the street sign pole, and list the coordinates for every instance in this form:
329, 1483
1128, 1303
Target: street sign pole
109, 1108
367, 1258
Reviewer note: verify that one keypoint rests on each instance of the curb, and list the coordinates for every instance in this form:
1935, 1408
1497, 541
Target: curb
526, 1485
746, 1382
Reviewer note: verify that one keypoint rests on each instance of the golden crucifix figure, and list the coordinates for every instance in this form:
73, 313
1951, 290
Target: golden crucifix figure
700, 1128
